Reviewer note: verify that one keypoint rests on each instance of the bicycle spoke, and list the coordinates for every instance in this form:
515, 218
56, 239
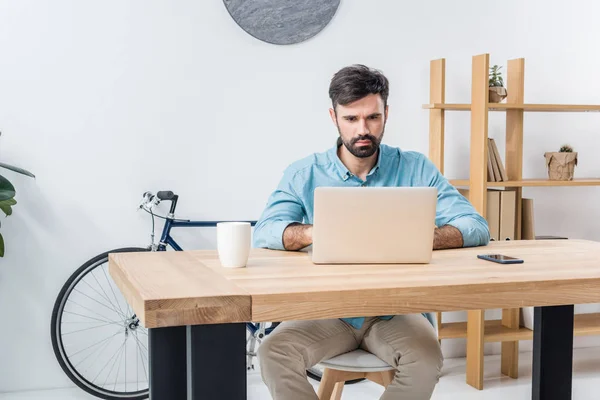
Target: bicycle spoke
111, 289
141, 356
95, 344
126, 364
81, 322
103, 305
111, 368
95, 319
90, 310
114, 287
141, 344
119, 367
103, 291
99, 354
86, 329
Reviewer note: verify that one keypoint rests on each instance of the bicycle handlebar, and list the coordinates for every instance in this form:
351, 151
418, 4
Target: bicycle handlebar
165, 195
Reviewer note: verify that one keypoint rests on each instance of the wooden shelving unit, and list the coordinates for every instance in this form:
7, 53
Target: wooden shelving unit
477, 330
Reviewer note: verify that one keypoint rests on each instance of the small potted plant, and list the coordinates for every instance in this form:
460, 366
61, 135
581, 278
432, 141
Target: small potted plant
497, 91
561, 164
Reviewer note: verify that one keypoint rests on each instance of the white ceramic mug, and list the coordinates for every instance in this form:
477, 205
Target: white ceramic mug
233, 243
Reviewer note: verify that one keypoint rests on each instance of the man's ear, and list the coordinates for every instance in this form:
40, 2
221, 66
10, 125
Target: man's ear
333, 116
386, 112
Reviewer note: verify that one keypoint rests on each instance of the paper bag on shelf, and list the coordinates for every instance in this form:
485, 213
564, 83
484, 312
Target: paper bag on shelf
561, 165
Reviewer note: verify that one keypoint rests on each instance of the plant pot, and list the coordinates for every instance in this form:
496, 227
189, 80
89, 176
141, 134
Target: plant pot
497, 94
561, 165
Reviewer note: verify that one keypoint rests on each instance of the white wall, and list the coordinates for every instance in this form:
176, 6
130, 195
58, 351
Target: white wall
104, 100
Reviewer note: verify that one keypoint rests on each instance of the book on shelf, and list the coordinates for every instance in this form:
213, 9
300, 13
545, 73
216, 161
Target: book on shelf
497, 172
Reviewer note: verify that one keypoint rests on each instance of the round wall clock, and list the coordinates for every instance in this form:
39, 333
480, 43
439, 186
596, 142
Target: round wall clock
282, 21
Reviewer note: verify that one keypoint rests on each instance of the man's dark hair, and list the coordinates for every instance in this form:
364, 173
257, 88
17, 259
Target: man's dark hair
355, 82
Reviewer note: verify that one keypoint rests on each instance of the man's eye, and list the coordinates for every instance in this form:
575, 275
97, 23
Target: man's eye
374, 117
351, 119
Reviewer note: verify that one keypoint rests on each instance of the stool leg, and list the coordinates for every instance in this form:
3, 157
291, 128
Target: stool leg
388, 377
327, 384
332, 383
383, 378
337, 391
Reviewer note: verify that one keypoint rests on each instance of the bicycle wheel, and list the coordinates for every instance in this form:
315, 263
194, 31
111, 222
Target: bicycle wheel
97, 339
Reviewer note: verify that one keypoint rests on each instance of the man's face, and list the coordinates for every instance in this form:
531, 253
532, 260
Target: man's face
361, 124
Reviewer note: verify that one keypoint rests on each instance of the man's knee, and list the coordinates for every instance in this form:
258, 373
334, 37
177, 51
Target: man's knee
276, 349
424, 360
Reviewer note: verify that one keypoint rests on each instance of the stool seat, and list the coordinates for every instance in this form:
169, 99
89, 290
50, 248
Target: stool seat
357, 361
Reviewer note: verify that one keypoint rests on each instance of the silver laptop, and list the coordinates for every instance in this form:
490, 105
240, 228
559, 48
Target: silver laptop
373, 225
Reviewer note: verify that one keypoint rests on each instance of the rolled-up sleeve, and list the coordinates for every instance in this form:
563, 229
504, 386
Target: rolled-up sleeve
455, 210
283, 208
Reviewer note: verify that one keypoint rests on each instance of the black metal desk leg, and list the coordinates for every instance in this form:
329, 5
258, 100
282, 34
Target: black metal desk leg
167, 363
552, 353
218, 355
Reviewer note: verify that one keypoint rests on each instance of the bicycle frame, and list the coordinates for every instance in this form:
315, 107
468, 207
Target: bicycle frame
167, 240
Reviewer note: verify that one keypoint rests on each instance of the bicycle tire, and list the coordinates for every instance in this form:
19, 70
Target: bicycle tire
55, 330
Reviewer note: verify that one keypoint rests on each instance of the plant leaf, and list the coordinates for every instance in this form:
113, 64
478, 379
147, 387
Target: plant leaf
1, 246
9, 202
6, 208
17, 169
7, 190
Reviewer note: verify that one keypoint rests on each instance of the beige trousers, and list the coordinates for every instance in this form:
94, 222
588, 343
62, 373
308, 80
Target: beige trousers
406, 342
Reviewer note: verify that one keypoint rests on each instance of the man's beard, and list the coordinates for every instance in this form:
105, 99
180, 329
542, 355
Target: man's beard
362, 151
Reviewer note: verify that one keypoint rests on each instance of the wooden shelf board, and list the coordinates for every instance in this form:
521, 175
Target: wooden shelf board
494, 332
524, 107
587, 324
533, 182
584, 325
451, 107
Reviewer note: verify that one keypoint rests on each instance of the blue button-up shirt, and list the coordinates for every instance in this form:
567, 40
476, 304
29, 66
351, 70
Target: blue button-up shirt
293, 200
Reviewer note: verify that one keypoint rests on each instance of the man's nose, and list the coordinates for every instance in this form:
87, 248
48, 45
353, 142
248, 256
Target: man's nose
364, 127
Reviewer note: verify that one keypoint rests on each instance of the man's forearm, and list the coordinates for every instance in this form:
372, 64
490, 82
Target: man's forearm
297, 236
447, 237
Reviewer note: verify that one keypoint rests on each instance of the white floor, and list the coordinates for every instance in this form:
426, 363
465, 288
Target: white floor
586, 380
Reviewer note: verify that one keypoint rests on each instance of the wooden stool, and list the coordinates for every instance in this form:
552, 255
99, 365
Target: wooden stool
353, 365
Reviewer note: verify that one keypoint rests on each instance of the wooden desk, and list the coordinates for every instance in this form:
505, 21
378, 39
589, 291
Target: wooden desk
179, 295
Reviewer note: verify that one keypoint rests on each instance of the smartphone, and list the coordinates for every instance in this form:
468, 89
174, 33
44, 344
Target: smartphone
499, 258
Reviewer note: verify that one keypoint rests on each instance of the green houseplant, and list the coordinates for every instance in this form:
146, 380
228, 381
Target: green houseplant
7, 195
497, 91
561, 164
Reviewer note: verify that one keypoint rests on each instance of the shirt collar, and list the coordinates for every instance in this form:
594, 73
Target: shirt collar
343, 172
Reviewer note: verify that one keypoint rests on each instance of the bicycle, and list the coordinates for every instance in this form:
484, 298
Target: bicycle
72, 302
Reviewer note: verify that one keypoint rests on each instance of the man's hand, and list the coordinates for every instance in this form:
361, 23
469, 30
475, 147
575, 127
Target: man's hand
297, 236
447, 237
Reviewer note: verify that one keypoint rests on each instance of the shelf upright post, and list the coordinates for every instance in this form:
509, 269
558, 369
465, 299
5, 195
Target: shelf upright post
437, 94
478, 198
514, 170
